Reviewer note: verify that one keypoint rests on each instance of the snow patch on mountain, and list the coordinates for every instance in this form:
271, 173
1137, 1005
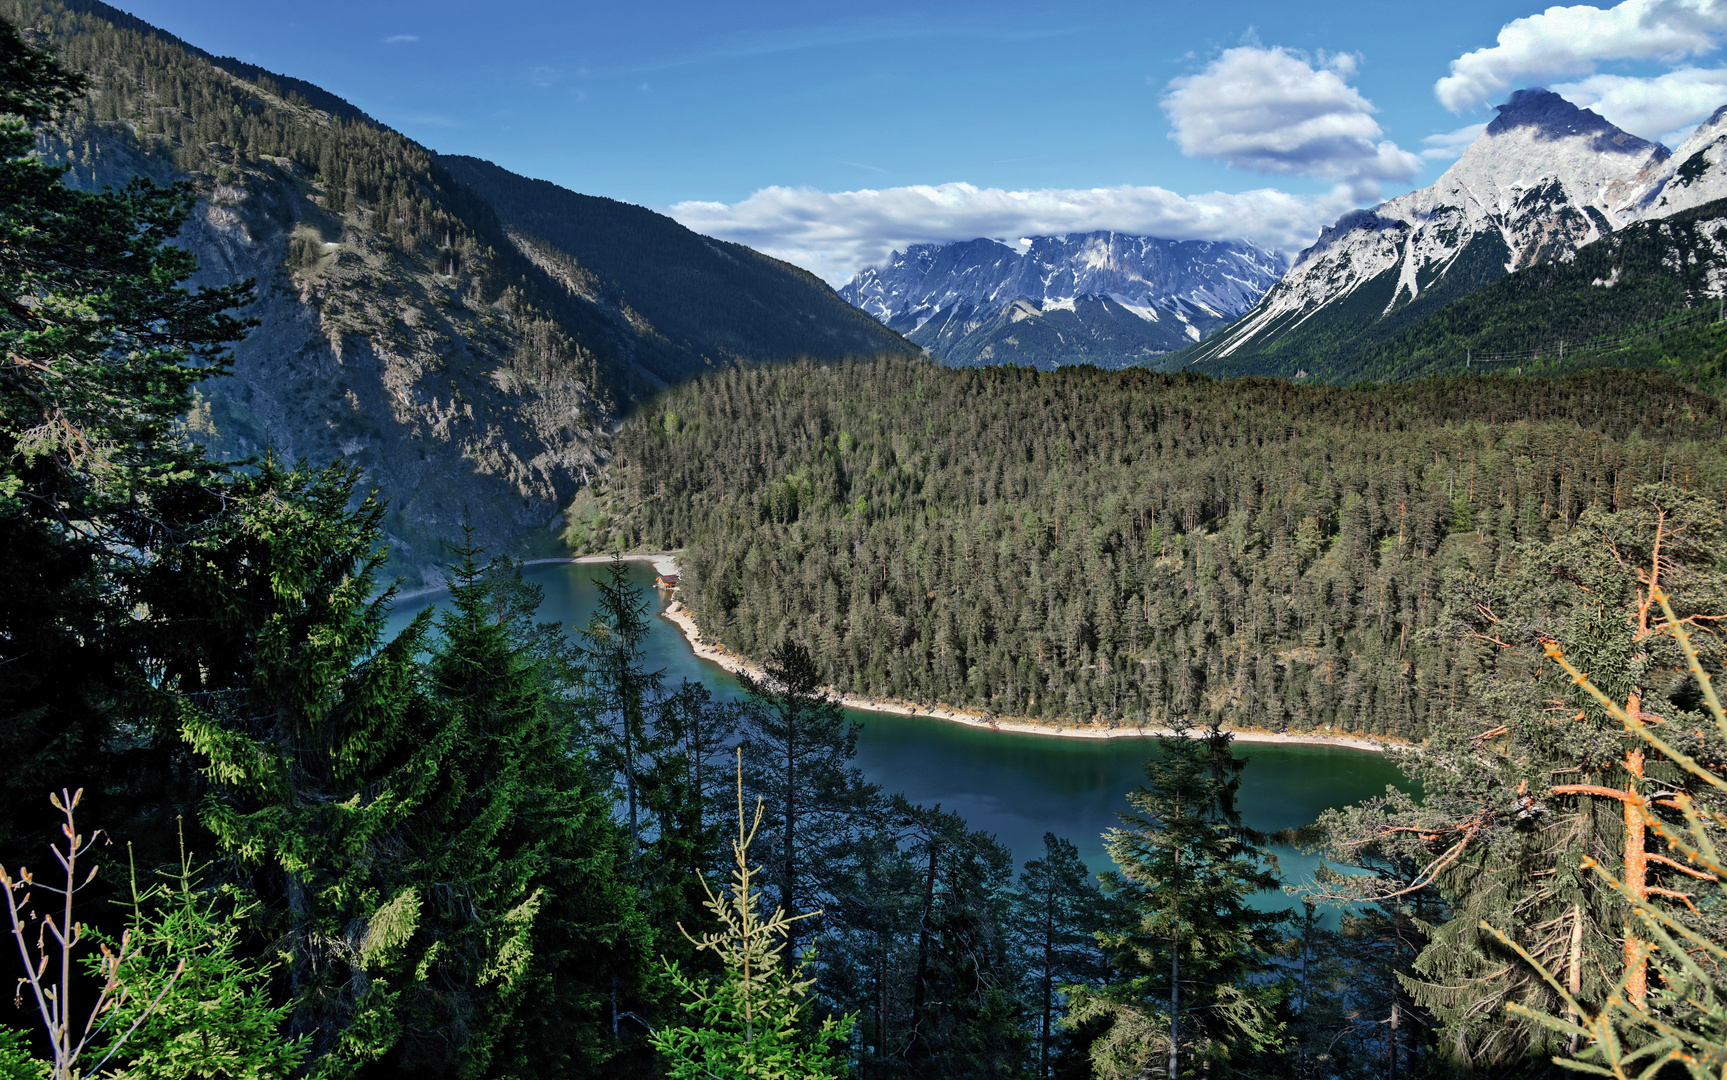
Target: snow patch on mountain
1543, 179
942, 295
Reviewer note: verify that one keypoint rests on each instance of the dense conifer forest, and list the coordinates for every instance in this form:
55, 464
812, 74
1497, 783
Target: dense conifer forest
1128, 548
247, 832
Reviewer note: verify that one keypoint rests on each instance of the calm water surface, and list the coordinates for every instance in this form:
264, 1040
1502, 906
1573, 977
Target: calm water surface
1015, 786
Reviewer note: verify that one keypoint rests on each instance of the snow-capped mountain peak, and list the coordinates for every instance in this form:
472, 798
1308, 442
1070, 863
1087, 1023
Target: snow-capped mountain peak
1120, 297
1543, 179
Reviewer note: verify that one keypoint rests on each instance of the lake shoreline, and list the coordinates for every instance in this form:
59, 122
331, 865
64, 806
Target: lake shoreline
665, 562
680, 615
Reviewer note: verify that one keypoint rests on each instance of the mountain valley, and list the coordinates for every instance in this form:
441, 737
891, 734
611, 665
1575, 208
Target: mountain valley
464, 337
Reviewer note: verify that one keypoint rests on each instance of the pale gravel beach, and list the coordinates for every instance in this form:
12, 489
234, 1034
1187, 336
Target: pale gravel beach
732, 662
665, 562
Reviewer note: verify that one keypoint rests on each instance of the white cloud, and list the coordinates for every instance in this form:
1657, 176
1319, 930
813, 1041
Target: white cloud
836, 234
1449, 145
401, 39
1567, 42
1653, 107
1273, 111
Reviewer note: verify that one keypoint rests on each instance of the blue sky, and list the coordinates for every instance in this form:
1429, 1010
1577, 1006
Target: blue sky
830, 134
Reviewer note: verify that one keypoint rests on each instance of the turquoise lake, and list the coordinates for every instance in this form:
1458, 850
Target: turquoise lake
1015, 786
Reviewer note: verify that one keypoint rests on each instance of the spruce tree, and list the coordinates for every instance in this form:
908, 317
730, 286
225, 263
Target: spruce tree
660, 750
1192, 962
755, 1021
216, 1019
525, 903
322, 747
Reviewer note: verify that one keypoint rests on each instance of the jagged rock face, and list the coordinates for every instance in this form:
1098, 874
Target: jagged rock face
1104, 298
391, 369
1694, 175
1542, 180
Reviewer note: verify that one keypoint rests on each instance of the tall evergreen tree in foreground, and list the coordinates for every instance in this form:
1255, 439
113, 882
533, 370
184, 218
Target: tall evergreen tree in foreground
322, 745
102, 348
613, 647
521, 869
965, 1018
430, 846
797, 758
1192, 963
1058, 913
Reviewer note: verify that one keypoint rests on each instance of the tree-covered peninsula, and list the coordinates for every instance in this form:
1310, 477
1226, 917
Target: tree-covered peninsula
1124, 548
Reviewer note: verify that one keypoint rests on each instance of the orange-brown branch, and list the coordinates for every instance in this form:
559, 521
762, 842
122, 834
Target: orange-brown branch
1656, 890
1682, 868
1595, 789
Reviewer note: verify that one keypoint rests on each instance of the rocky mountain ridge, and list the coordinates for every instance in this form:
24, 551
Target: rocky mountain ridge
1103, 297
1544, 179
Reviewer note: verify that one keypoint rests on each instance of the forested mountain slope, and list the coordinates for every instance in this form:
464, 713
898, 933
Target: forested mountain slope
403, 328
1647, 294
693, 301
1544, 180
1126, 547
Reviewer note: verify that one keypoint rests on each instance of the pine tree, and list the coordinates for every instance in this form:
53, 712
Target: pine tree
684, 788
1532, 776
1192, 962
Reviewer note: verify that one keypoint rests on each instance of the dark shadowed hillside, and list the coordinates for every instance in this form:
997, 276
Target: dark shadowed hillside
697, 301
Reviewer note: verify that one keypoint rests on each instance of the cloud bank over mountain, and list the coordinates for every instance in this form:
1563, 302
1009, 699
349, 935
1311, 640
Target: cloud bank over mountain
1565, 47
836, 234
1279, 112
1267, 110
